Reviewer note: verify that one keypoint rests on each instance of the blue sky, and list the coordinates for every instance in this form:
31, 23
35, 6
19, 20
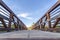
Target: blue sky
29, 11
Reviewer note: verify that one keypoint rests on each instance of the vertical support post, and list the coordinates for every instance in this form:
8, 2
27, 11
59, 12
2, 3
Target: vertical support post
9, 24
16, 27
48, 19
18, 24
41, 23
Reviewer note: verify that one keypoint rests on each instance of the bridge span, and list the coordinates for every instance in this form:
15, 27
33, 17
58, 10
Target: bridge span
50, 21
15, 28
8, 20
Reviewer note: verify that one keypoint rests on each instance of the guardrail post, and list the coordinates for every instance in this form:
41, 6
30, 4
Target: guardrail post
16, 27
41, 23
18, 24
48, 19
9, 24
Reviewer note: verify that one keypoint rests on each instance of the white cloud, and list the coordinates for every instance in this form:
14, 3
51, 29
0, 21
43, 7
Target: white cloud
25, 15
29, 18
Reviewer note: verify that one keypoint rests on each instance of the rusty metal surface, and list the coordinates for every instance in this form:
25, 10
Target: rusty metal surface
8, 19
51, 18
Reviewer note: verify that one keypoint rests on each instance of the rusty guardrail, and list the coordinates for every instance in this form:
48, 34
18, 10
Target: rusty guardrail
8, 20
51, 19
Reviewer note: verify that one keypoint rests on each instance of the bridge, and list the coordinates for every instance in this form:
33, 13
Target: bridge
8, 19
43, 29
50, 19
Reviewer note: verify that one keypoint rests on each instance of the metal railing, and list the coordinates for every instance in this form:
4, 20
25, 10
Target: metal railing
8, 20
51, 19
